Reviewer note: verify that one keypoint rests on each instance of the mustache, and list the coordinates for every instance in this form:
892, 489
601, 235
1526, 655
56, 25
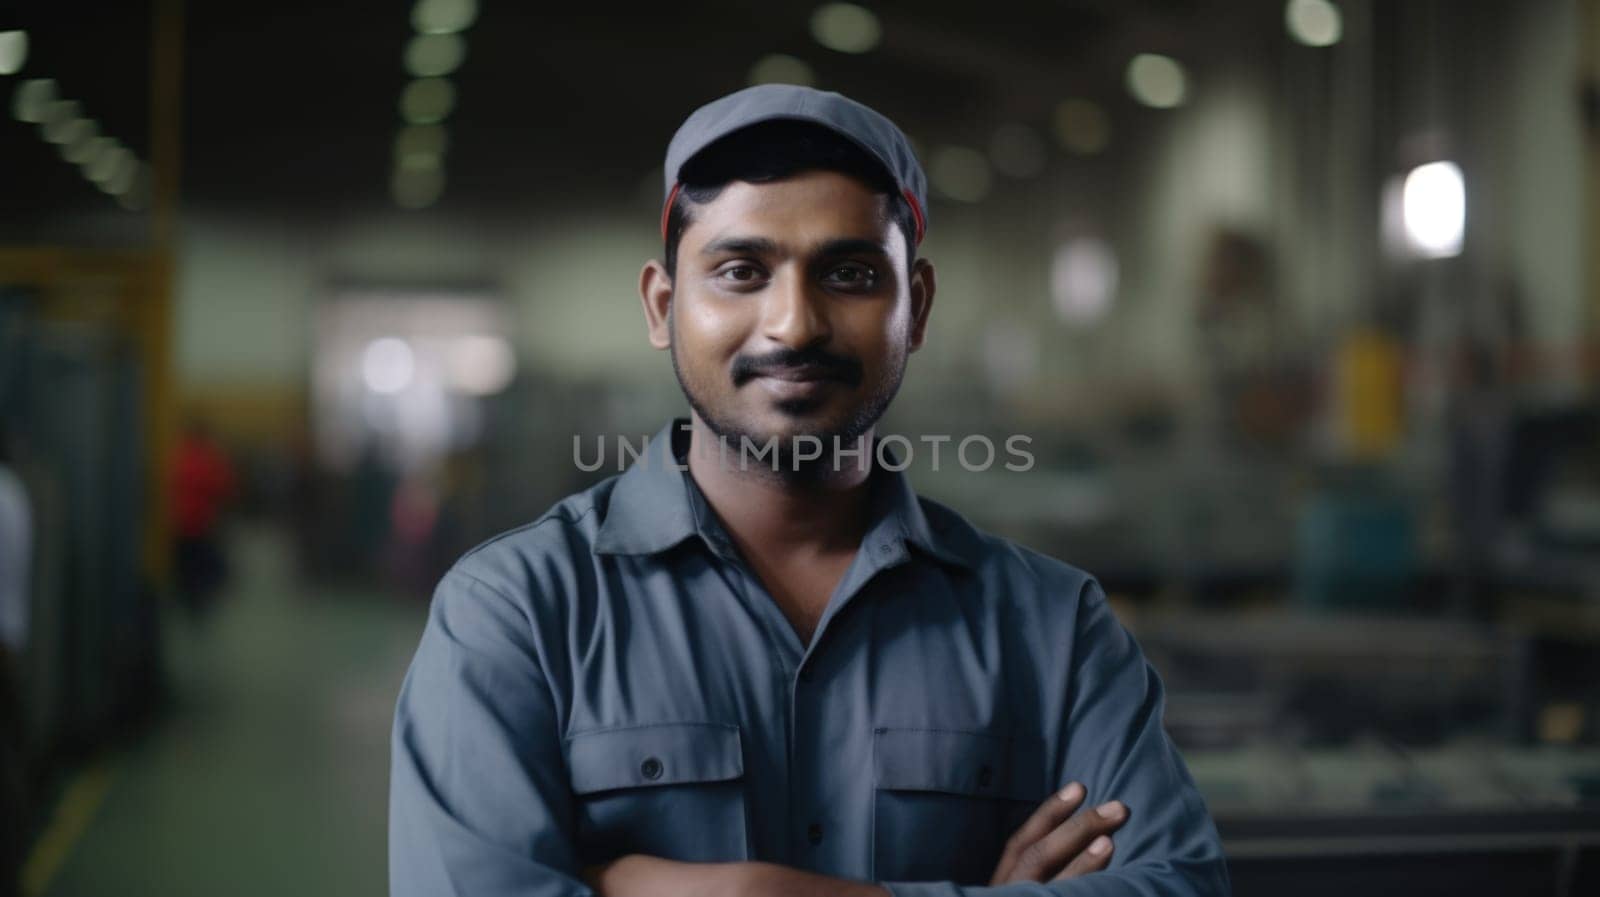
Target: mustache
815, 362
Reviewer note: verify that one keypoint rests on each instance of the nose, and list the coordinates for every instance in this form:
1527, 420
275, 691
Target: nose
794, 315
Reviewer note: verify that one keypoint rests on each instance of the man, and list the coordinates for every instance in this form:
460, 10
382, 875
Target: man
203, 483
756, 663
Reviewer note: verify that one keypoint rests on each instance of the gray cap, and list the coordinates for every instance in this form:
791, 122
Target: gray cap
863, 126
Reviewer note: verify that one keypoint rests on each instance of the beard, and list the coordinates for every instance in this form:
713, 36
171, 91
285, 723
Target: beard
735, 434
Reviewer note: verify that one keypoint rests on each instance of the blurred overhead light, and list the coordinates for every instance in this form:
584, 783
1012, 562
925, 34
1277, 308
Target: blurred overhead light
427, 100
79, 143
93, 149
13, 51
779, 68
123, 180
443, 16
1434, 209
846, 27
432, 55
1157, 81
388, 365
1315, 23
58, 119
31, 103
418, 161
137, 196
420, 146
480, 365
417, 188
1017, 150
105, 166
960, 173
1081, 127
1083, 279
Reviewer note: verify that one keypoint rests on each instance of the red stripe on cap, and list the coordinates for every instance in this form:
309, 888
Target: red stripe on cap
916, 211
666, 210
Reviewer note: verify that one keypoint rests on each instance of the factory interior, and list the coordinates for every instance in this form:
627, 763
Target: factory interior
1296, 301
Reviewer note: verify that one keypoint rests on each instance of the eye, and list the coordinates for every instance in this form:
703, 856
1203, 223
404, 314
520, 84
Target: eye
853, 276
740, 273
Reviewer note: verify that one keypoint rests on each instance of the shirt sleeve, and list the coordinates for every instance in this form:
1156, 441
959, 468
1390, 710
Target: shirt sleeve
1116, 745
479, 802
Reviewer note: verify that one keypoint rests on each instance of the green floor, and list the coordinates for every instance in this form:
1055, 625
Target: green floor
270, 776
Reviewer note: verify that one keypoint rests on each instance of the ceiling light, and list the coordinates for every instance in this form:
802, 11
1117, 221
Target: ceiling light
1315, 23
32, 100
105, 166
432, 55
13, 51
417, 188
846, 27
58, 119
443, 16
1434, 209
79, 142
123, 180
778, 68
427, 100
1157, 81
420, 146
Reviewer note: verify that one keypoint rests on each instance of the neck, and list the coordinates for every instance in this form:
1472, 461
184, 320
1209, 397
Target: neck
821, 510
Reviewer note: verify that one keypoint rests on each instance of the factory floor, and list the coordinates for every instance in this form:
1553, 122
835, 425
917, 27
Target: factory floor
270, 774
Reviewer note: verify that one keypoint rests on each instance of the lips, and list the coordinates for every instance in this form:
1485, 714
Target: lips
804, 374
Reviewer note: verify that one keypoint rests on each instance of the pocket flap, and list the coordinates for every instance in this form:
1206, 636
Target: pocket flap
956, 761
656, 754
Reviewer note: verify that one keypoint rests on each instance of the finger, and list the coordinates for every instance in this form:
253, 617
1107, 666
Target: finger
1066, 841
1054, 811
1093, 859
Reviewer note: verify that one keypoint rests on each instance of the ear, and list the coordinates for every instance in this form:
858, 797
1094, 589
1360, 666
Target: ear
655, 291
922, 289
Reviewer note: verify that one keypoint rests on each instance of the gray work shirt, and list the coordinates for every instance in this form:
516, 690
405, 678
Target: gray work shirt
613, 678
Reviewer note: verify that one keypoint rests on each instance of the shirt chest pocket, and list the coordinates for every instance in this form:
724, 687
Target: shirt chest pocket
672, 790
946, 800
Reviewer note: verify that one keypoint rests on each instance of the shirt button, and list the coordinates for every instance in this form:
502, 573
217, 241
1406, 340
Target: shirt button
985, 777
814, 833
651, 768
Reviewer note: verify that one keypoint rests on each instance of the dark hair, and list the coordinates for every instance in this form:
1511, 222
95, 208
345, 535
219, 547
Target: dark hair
772, 151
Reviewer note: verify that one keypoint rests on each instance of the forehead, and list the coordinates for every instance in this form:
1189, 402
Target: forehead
810, 207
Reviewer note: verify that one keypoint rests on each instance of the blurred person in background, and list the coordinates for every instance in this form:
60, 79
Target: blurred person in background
705, 676
203, 484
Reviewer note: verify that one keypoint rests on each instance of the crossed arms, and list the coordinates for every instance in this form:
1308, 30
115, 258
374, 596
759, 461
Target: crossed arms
480, 804
1055, 844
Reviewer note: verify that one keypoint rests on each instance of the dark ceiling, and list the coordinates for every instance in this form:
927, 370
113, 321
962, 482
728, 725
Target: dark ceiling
289, 108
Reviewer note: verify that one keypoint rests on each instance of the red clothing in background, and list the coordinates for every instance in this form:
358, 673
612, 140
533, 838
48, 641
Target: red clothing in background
202, 482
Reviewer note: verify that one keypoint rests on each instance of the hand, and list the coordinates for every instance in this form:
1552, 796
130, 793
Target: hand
1051, 846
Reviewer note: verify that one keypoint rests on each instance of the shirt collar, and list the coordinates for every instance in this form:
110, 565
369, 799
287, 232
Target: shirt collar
656, 505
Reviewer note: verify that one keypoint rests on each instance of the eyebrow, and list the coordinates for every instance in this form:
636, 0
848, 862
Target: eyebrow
740, 246
764, 246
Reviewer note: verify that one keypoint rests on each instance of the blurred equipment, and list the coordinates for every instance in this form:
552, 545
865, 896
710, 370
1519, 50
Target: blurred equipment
1358, 545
